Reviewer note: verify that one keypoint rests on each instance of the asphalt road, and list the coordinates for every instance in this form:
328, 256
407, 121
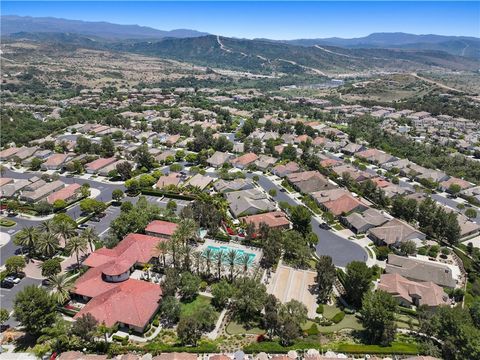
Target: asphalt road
341, 250
8, 295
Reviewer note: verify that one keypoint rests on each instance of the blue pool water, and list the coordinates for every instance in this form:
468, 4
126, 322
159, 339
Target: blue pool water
227, 249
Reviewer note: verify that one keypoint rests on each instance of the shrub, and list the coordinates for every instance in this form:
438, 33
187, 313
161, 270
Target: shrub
313, 330
349, 311
422, 251
338, 317
319, 309
156, 322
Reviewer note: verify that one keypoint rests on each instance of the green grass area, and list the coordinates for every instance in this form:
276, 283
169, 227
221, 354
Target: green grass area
287, 186
187, 309
348, 322
7, 223
235, 328
311, 204
338, 227
394, 348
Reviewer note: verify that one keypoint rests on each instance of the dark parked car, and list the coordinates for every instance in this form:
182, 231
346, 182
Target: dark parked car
324, 226
7, 284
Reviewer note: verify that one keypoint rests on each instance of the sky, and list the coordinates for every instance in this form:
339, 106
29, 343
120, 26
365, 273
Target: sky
271, 19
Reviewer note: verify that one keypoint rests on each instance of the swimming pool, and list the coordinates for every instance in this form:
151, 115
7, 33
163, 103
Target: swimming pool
227, 249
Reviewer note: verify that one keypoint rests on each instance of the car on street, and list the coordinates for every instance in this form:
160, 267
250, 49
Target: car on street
83, 226
324, 226
6, 284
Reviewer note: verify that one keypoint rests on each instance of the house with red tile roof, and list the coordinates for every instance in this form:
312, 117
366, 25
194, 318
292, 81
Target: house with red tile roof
445, 185
55, 161
113, 297
8, 153
68, 193
284, 170
243, 161
172, 179
408, 292
344, 205
274, 220
161, 229
94, 166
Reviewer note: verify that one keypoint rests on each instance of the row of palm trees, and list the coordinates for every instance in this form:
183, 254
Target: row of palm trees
183, 256
44, 241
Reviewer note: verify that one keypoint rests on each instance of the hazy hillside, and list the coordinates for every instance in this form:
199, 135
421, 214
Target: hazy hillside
263, 56
455, 45
11, 24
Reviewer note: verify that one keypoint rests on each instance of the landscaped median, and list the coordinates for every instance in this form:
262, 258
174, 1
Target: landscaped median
7, 223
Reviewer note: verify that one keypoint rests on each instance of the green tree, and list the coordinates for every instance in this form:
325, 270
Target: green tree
188, 331
471, 213
27, 238
35, 164
91, 237
222, 292
107, 146
60, 285
124, 170
301, 218
189, 286
408, 247
326, 275
378, 309
35, 309
295, 249
51, 267
117, 195
85, 327
48, 245
59, 204
15, 264
271, 319
291, 316
92, 206
144, 158
248, 299
358, 281
170, 309
272, 248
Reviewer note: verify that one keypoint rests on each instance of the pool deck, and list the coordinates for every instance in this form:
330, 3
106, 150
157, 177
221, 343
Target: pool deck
257, 252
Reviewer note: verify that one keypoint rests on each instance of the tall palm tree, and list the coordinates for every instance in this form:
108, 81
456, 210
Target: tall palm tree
76, 245
187, 257
186, 230
245, 261
197, 261
28, 238
161, 249
91, 236
219, 259
48, 244
173, 249
208, 259
66, 230
47, 226
60, 286
232, 260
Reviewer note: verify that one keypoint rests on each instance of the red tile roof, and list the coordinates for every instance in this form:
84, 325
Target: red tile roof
245, 159
100, 163
134, 248
131, 302
161, 227
272, 219
343, 204
63, 194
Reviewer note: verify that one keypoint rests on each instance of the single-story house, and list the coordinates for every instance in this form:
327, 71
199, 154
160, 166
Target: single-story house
274, 220
243, 161
420, 270
265, 162
200, 181
42, 192
413, 293
94, 166
309, 181
224, 186
248, 202
68, 193
171, 179
394, 232
56, 161
284, 170
218, 159
360, 222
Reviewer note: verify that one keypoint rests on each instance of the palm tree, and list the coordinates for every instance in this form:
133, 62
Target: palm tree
28, 238
208, 258
232, 258
76, 245
48, 244
173, 249
186, 230
245, 261
47, 226
161, 249
91, 236
197, 260
66, 230
219, 259
60, 286
187, 254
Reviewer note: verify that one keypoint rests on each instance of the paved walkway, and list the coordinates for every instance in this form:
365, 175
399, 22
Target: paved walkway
218, 326
4, 238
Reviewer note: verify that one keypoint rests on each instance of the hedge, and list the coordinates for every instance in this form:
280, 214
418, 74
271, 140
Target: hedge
394, 348
319, 309
202, 347
338, 317
313, 330
275, 348
341, 276
406, 311
155, 192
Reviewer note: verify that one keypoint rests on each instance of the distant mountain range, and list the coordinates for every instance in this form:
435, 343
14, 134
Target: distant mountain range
455, 45
376, 52
11, 24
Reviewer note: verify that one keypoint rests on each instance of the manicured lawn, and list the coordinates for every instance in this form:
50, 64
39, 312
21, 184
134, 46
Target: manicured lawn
234, 328
187, 309
338, 227
348, 322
